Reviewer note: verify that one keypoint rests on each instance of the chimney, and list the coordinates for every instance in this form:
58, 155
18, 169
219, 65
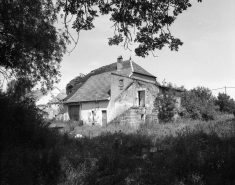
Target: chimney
119, 63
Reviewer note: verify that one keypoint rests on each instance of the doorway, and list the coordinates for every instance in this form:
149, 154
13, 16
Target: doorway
141, 96
74, 112
104, 118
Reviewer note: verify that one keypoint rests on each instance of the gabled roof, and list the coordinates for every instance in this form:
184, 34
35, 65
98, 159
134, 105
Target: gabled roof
78, 82
140, 70
80, 85
95, 88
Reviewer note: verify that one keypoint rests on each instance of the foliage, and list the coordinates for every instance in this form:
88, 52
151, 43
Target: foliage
149, 20
19, 88
20, 122
190, 157
198, 104
79, 79
30, 45
166, 105
28, 153
197, 156
225, 103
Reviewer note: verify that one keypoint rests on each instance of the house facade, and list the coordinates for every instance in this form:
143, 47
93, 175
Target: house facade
122, 91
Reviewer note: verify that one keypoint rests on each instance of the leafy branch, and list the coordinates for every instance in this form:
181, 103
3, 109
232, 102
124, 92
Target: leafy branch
145, 22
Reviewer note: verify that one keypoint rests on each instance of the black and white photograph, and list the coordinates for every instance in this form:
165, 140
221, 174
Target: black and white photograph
117, 92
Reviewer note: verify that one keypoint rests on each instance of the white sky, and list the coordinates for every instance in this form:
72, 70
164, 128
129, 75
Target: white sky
207, 57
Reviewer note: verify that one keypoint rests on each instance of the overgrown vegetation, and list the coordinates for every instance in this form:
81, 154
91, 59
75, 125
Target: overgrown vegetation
196, 104
28, 154
166, 105
191, 156
225, 103
31, 153
186, 152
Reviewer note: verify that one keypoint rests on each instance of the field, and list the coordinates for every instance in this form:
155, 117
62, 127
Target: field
182, 153
187, 152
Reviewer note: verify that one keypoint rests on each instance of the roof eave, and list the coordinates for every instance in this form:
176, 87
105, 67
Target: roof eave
85, 101
145, 74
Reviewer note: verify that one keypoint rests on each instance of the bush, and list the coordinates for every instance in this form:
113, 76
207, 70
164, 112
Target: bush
28, 154
225, 103
199, 104
166, 106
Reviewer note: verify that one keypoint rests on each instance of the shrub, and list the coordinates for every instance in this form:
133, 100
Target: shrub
166, 106
28, 154
199, 104
225, 103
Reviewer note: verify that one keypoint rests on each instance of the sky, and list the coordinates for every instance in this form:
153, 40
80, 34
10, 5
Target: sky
207, 57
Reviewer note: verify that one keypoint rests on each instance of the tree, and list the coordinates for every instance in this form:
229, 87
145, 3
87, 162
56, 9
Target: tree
166, 105
199, 104
225, 103
148, 19
30, 45
18, 89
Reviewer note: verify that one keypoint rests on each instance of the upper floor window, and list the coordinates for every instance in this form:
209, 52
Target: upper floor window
121, 84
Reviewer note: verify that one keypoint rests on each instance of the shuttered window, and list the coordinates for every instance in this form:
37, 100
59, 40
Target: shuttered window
121, 84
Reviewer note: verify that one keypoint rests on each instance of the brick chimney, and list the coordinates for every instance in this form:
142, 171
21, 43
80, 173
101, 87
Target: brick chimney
119, 63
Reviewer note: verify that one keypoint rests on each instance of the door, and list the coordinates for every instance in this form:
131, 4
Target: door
74, 112
141, 95
104, 118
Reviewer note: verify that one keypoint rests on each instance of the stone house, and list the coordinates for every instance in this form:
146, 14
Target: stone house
121, 92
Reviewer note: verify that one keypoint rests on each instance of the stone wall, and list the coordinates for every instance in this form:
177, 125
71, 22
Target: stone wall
134, 117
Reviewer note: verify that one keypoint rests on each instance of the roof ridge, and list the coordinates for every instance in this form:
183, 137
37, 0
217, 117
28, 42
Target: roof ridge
132, 69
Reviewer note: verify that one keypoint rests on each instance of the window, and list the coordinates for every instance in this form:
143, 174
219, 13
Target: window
121, 84
141, 96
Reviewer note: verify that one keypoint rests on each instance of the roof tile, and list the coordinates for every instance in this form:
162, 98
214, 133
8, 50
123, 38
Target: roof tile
95, 88
96, 84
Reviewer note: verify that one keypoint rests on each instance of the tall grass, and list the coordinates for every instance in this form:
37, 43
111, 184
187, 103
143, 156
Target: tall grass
195, 153
186, 152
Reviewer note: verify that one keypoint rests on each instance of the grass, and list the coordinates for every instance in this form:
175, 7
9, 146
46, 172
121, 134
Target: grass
222, 126
186, 153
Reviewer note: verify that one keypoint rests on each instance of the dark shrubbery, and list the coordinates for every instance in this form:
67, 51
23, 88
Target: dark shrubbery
28, 154
21, 123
